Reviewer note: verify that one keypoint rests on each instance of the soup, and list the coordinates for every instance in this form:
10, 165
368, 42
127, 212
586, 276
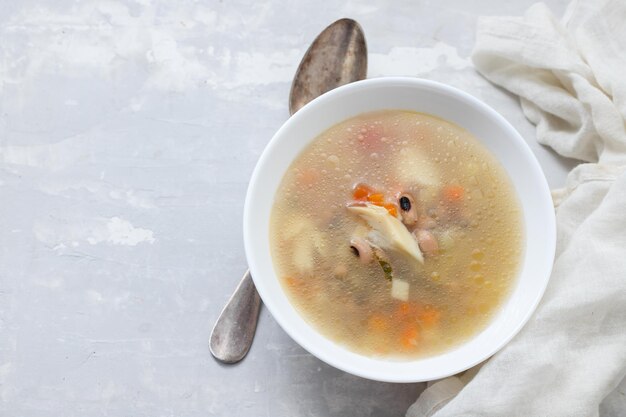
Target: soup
396, 234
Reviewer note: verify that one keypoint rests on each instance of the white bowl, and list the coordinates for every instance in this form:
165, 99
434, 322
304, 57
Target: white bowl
450, 104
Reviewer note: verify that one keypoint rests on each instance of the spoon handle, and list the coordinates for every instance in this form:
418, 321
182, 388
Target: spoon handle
234, 330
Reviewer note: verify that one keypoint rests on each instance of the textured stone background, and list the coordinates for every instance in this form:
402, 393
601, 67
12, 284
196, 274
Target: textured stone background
128, 132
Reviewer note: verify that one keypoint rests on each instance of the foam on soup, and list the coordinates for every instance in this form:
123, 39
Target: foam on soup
396, 234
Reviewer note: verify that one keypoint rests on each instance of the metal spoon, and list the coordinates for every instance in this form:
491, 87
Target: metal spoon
336, 57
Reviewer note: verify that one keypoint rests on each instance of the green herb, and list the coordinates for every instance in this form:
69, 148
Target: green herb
386, 269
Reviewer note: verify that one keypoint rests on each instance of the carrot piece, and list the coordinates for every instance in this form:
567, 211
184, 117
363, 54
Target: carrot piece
407, 309
391, 208
293, 282
376, 198
377, 323
361, 192
404, 308
409, 337
453, 193
429, 316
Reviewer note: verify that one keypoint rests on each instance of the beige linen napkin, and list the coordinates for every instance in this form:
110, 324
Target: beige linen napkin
571, 356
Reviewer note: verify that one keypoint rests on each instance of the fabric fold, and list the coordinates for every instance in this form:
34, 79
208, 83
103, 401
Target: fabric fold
571, 355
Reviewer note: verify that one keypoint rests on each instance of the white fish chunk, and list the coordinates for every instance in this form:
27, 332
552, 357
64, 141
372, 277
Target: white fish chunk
414, 166
303, 256
390, 233
306, 240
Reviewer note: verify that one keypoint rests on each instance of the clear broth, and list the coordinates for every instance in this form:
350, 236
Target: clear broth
456, 291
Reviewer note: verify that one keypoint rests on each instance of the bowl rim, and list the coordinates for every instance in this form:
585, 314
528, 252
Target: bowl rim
495, 117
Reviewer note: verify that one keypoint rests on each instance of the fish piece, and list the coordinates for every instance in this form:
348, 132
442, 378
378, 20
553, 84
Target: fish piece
390, 233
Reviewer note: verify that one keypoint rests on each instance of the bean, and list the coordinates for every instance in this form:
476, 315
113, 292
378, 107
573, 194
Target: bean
362, 249
427, 242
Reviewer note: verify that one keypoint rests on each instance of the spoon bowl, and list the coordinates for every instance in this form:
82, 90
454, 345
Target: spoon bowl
336, 57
